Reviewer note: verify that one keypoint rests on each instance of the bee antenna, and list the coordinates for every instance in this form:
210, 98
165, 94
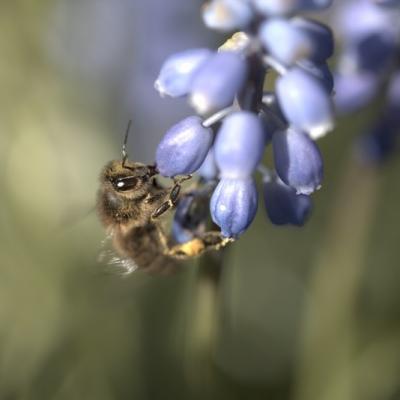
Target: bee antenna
124, 153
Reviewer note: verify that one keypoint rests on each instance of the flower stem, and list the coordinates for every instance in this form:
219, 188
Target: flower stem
204, 316
218, 116
327, 339
272, 62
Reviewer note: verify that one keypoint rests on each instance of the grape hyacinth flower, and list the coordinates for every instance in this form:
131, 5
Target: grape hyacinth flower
368, 66
175, 76
190, 216
240, 135
217, 82
184, 147
237, 118
234, 205
298, 161
208, 171
283, 205
304, 102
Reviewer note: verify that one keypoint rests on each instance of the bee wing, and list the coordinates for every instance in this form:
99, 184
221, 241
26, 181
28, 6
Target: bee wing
116, 264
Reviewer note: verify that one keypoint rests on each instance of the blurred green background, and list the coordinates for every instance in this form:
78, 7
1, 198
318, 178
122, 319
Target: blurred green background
298, 314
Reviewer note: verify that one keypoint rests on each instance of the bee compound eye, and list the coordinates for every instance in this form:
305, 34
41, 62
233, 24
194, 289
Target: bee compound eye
125, 183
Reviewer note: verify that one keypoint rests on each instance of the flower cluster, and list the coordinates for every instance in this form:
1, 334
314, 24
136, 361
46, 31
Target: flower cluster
369, 66
237, 118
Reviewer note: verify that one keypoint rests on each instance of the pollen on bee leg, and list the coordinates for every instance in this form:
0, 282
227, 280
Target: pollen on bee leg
189, 249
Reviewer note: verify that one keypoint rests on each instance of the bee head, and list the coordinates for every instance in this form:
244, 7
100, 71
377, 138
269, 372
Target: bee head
129, 178
124, 185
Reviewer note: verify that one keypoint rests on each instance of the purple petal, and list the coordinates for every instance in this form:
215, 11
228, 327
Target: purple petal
178, 70
234, 205
298, 161
217, 82
239, 145
184, 147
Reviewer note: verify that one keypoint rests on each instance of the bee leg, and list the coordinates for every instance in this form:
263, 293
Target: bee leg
152, 170
212, 240
163, 238
172, 197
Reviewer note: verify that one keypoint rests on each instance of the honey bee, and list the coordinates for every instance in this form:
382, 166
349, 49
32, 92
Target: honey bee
131, 204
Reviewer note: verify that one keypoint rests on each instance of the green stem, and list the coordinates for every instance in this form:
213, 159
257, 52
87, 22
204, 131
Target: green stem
327, 343
204, 313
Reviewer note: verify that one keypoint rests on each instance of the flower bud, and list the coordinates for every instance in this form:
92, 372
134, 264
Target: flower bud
319, 71
209, 170
354, 91
180, 233
298, 161
320, 37
271, 123
393, 94
274, 32
389, 3
184, 147
282, 7
305, 102
239, 145
393, 99
283, 205
359, 19
370, 36
234, 205
378, 143
375, 52
178, 70
227, 15
190, 217
217, 82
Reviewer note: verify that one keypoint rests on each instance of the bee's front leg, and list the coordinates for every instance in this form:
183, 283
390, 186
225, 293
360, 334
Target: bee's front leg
173, 196
212, 240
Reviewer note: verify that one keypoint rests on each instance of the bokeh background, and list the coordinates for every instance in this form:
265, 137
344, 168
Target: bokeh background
298, 314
